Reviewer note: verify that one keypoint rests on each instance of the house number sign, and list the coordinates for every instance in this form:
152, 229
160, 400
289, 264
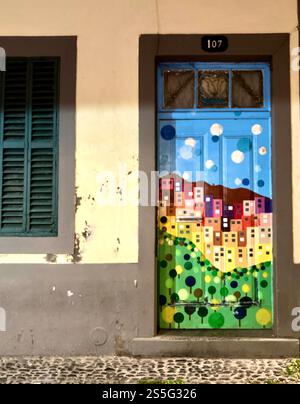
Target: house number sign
214, 43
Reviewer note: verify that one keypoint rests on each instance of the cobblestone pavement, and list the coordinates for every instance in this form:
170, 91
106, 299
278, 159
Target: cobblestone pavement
100, 370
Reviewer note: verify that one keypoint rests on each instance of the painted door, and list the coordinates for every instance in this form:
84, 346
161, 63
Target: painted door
214, 226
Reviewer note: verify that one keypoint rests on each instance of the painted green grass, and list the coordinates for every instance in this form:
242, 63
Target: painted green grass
185, 275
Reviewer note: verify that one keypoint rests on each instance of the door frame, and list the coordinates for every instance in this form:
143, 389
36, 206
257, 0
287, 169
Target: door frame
173, 116
272, 48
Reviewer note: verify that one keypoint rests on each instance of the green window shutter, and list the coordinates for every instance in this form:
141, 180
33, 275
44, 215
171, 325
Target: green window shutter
13, 140
42, 149
28, 161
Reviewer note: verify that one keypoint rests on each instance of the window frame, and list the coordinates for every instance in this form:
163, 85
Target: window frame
27, 162
64, 47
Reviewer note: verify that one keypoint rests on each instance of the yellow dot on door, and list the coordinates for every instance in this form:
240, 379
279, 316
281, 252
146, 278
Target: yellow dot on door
168, 314
207, 279
263, 317
246, 289
179, 269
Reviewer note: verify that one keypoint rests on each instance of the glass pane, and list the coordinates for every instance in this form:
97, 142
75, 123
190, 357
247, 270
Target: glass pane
179, 89
247, 89
213, 89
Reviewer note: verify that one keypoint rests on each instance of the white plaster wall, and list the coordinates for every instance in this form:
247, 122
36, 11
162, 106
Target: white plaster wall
107, 94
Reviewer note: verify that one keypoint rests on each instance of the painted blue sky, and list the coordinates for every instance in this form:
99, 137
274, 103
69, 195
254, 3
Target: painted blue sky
235, 153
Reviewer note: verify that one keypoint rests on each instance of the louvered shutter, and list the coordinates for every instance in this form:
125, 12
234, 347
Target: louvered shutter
42, 150
13, 142
29, 124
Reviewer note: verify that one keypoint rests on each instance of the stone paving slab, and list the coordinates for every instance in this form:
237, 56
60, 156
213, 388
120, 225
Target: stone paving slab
122, 370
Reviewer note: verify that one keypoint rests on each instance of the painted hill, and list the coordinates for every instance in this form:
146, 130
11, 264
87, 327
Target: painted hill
228, 195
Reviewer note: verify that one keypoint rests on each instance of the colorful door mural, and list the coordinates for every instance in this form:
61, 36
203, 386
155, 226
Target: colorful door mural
214, 226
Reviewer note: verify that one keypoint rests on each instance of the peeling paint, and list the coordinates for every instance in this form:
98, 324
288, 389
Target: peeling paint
120, 192
76, 256
91, 198
51, 258
78, 200
87, 232
117, 249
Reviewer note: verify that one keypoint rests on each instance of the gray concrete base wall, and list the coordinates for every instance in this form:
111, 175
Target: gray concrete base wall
68, 309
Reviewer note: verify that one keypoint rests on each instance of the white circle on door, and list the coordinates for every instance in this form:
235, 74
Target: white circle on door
237, 157
257, 129
216, 129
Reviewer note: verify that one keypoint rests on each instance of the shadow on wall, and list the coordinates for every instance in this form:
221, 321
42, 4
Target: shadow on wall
2, 319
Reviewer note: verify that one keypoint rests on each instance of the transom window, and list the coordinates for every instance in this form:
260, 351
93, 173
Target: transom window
214, 88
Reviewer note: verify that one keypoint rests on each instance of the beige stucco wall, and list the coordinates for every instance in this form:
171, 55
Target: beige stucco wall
107, 94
